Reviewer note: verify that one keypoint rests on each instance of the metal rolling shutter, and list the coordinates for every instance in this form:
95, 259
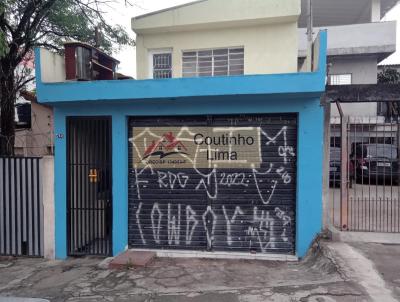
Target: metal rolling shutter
238, 206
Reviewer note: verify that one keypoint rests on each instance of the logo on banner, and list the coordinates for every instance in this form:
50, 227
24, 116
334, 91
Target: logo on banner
196, 147
166, 146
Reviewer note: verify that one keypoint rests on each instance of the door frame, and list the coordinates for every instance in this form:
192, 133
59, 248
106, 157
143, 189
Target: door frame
68, 120
209, 123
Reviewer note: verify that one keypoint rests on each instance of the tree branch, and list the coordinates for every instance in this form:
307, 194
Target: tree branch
23, 83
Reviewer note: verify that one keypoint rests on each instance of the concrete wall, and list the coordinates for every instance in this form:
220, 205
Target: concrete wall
356, 109
38, 140
267, 48
340, 12
53, 68
48, 206
364, 70
370, 38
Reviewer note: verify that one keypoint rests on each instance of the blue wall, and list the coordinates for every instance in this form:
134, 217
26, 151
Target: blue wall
225, 95
309, 205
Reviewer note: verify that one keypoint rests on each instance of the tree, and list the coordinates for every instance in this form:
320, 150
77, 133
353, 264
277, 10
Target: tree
389, 76
25, 24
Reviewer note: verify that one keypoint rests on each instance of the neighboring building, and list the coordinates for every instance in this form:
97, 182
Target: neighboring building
34, 134
225, 166
34, 122
357, 42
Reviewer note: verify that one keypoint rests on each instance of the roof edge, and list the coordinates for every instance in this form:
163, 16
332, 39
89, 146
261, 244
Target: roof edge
166, 10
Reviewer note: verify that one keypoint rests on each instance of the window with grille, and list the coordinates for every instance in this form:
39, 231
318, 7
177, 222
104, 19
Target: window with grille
340, 79
214, 62
162, 65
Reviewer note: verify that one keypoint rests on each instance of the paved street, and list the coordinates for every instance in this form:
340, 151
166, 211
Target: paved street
318, 278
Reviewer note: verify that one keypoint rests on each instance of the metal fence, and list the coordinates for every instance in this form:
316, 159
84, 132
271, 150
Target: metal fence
21, 211
365, 175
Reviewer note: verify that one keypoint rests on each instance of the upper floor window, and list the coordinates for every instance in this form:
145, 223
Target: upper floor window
161, 64
340, 79
214, 62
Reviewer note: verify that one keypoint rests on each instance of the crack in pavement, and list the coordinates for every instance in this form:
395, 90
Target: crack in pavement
82, 280
357, 267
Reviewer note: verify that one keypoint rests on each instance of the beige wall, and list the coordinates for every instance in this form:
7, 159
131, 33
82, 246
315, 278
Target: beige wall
38, 140
206, 14
268, 48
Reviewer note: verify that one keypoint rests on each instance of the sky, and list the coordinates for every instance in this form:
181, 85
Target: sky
122, 14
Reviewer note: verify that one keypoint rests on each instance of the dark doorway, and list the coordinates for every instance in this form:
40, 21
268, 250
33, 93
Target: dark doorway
89, 197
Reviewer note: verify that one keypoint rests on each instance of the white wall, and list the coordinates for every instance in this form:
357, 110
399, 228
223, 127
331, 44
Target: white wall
355, 109
52, 66
364, 69
268, 48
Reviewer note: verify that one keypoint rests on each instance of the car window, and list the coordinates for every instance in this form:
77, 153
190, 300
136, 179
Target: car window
386, 151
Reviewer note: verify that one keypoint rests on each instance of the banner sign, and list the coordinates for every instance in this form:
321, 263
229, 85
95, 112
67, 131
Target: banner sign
196, 147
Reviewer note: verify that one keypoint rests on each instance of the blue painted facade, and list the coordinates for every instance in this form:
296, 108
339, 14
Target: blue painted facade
280, 93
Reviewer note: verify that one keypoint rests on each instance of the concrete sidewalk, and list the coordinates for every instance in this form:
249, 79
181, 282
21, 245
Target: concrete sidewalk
386, 260
320, 277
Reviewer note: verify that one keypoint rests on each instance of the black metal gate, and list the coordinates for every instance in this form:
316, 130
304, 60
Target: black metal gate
217, 183
21, 210
89, 206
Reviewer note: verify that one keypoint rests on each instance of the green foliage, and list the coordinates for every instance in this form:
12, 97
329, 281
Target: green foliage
25, 24
68, 19
389, 76
50, 23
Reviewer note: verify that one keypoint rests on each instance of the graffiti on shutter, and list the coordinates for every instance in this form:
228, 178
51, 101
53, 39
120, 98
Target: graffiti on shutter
215, 183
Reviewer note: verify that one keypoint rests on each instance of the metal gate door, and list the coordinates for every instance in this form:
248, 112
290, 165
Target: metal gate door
89, 186
21, 210
365, 174
219, 183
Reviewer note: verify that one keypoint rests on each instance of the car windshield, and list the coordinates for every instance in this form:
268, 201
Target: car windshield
386, 151
335, 154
